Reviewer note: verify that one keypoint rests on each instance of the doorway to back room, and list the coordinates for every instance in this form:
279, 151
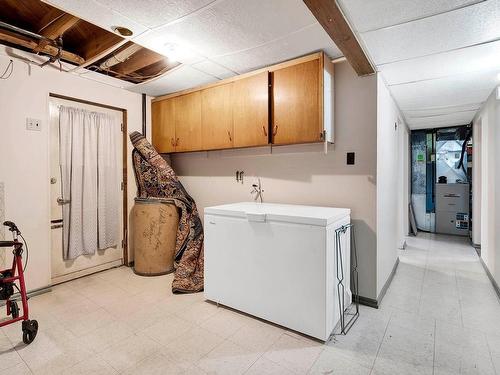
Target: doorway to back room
441, 169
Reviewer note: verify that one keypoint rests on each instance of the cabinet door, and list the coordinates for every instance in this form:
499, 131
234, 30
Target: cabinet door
188, 122
217, 117
296, 103
163, 126
250, 110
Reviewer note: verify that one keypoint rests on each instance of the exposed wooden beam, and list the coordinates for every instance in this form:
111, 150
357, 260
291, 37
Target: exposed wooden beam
56, 28
26, 42
98, 43
331, 18
140, 59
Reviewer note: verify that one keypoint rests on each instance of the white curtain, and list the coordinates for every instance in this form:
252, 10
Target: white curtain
90, 183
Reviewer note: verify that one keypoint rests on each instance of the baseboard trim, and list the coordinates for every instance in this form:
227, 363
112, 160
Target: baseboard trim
370, 302
388, 282
31, 293
87, 271
375, 303
492, 279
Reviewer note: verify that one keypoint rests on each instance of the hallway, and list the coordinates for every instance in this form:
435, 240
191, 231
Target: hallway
451, 317
439, 316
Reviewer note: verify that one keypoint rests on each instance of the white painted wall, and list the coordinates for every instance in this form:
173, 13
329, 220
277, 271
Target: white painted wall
488, 118
304, 174
392, 140
24, 155
476, 181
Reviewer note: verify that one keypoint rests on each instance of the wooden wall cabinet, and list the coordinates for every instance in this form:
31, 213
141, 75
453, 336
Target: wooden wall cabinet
217, 117
251, 110
288, 103
188, 122
163, 126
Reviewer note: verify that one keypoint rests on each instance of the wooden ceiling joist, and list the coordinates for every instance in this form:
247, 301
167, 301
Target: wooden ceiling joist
28, 43
332, 20
56, 28
141, 59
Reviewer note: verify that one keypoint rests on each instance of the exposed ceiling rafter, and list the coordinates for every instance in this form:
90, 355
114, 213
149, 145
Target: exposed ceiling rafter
26, 42
332, 20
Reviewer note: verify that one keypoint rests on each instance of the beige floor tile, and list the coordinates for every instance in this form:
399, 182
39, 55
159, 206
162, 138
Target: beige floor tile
257, 336
192, 345
331, 361
167, 329
19, 369
48, 355
228, 358
159, 364
93, 365
129, 352
198, 312
226, 322
294, 354
105, 336
264, 366
8, 355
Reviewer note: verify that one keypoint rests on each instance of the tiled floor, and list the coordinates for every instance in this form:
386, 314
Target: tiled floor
440, 316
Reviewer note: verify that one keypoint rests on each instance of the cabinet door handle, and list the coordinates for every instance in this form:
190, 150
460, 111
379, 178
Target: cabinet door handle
265, 131
172, 142
275, 130
177, 142
229, 134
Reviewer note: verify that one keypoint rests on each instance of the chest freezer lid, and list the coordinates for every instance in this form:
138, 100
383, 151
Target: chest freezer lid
290, 213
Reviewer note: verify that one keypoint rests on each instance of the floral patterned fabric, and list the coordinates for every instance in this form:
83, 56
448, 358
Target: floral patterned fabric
156, 179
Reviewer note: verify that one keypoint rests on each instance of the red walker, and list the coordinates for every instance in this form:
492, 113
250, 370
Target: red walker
7, 285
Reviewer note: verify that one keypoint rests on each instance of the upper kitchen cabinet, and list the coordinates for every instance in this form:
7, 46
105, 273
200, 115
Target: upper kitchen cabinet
302, 101
251, 110
288, 103
163, 126
217, 117
188, 122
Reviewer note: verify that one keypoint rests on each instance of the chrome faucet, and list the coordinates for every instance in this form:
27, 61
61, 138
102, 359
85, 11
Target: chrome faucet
257, 190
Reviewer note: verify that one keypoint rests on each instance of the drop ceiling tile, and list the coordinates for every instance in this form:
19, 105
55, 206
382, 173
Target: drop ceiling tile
97, 14
438, 111
369, 15
178, 79
307, 40
460, 118
459, 28
163, 44
484, 57
153, 13
407, 101
233, 25
214, 69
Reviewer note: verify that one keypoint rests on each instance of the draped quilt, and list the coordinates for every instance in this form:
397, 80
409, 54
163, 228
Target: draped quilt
156, 179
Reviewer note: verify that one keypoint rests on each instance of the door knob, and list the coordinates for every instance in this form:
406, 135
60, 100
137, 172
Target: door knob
62, 201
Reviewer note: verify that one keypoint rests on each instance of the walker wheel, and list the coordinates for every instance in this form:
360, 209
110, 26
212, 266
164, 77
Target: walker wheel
14, 309
30, 329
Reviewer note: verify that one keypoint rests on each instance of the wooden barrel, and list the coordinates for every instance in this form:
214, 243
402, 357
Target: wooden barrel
154, 230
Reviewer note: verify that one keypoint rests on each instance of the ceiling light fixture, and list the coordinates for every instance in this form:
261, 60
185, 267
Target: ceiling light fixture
123, 31
175, 51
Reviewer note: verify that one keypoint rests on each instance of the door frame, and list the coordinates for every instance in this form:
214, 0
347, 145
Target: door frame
125, 163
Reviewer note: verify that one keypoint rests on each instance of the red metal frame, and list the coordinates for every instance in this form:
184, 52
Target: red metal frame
17, 264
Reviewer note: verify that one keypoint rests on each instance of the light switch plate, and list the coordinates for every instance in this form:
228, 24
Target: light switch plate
33, 124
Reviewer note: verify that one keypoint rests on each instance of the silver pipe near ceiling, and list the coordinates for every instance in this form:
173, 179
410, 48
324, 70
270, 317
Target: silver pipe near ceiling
19, 30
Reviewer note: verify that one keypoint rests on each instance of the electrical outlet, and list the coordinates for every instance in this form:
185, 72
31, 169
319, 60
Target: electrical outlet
33, 124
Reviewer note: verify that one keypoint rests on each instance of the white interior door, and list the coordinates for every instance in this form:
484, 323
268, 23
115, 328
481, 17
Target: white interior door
63, 270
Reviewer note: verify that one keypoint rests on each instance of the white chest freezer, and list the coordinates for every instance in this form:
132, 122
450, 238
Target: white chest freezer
278, 262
